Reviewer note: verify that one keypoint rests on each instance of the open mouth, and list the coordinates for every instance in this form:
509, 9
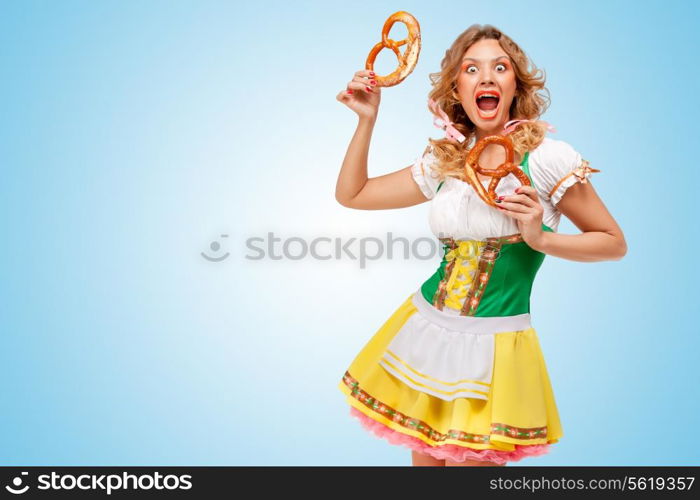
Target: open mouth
487, 103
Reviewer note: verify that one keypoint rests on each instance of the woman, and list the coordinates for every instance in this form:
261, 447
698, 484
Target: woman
456, 373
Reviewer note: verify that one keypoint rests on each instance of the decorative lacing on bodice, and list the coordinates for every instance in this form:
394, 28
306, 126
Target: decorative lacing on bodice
468, 268
463, 261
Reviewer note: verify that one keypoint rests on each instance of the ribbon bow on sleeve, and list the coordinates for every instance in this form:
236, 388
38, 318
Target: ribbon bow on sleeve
510, 126
443, 121
583, 170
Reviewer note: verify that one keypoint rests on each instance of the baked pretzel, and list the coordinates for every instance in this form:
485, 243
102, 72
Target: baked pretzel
408, 60
471, 167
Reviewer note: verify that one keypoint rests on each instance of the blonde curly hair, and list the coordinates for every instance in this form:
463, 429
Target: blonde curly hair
527, 104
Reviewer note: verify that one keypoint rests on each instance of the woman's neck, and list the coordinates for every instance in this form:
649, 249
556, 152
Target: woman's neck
481, 133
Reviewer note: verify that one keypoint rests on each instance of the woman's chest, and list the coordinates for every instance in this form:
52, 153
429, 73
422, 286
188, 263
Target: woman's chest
457, 211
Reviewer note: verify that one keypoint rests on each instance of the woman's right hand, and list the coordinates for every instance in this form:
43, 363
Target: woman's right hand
362, 95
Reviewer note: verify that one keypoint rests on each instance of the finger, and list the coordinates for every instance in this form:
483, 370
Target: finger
525, 188
360, 87
365, 73
365, 81
511, 213
515, 207
344, 94
372, 83
529, 191
527, 200
504, 210
520, 198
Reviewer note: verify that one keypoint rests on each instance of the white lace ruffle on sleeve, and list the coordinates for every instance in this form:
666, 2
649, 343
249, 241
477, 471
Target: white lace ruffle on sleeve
556, 166
422, 172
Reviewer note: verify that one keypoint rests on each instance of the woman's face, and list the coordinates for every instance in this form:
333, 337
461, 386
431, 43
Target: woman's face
486, 70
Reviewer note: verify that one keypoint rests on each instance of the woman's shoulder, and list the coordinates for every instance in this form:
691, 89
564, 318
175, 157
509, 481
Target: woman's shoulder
555, 165
424, 173
551, 150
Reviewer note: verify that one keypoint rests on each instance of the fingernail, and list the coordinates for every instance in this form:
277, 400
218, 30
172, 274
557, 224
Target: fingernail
371, 73
349, 91
501, 197
372, 82
368, 89
498, 200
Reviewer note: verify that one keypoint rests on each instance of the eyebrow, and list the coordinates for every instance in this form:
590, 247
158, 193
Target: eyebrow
477, 60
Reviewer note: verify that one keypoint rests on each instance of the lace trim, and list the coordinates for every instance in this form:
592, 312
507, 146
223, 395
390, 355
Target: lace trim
432, 434
454, 452
419, 175
580, 173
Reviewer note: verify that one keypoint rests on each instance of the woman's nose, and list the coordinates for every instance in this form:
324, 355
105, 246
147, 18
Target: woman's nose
486, 77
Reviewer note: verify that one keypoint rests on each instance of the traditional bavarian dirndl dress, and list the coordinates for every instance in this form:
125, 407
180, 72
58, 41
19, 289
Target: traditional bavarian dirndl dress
457, 371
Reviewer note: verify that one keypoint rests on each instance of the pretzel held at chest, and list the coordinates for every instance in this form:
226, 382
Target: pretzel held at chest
471, 167
407, 60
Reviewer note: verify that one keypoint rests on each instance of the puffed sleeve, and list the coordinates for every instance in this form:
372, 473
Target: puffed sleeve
558, 166
422, 172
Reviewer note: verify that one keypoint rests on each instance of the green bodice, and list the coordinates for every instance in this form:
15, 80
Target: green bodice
493, 277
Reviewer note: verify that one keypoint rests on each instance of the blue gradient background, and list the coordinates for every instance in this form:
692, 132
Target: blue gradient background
135, 134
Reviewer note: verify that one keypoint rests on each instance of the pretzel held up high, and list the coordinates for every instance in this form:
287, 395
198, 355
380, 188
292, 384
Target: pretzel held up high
471, 167
407, 60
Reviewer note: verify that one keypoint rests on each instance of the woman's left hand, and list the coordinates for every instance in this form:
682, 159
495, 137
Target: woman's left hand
525, 208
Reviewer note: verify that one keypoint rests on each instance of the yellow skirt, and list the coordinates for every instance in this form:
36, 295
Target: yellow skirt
519, 418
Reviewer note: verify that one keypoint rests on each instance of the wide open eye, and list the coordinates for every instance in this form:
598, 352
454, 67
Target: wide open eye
502, 66
470, 68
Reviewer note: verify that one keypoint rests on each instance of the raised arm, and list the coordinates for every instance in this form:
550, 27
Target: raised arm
354, 189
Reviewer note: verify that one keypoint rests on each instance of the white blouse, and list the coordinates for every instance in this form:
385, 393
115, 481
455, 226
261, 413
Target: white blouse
457, 211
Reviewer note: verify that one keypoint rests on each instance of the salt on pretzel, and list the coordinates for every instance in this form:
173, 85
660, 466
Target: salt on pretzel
407, 60
471, 167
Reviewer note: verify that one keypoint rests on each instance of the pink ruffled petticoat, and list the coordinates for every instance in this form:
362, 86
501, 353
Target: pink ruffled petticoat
451, 451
